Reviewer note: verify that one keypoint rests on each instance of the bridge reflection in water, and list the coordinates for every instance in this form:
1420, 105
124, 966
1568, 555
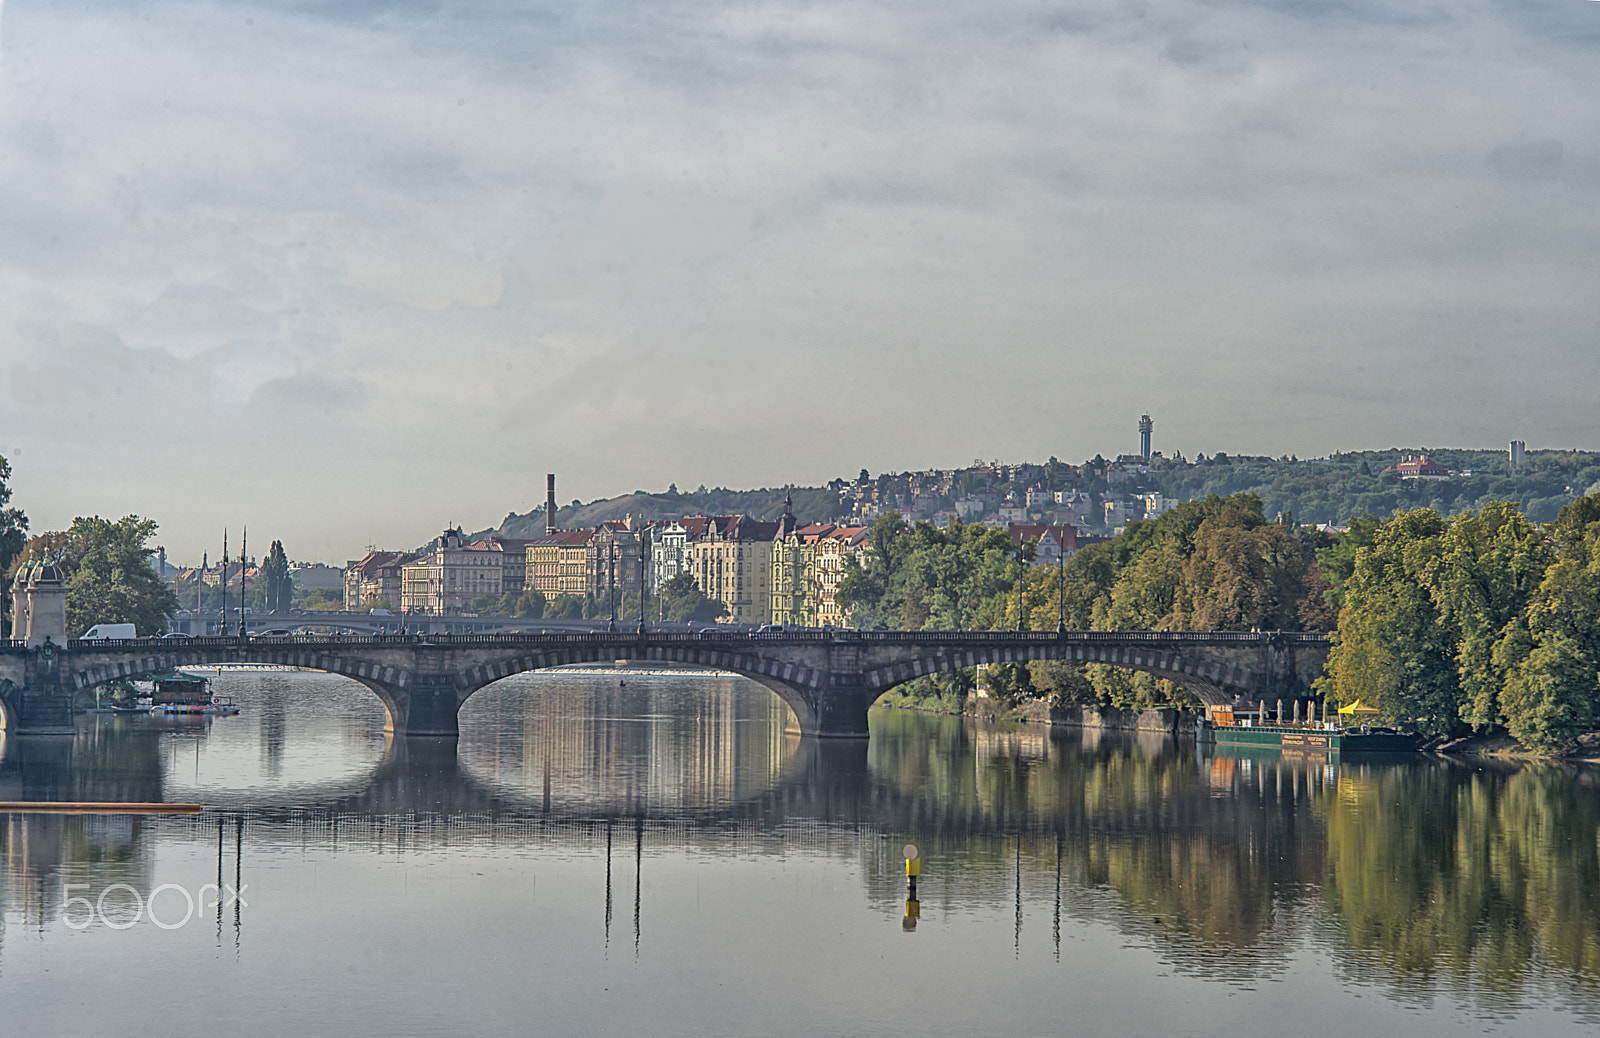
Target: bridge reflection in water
1422, 877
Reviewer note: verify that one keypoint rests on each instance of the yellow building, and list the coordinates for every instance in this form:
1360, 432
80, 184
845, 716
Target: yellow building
795, 583
557, 563
733, 564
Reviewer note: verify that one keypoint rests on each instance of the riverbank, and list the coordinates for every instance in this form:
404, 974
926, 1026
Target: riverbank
1583, 750
1038, 711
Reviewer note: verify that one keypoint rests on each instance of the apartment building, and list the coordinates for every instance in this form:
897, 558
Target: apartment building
374, 581
558, 563
450, 574
733, 564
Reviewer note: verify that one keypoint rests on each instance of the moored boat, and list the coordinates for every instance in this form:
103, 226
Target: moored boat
178, 693
1248, 725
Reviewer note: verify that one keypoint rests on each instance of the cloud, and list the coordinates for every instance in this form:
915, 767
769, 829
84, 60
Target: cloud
645, 243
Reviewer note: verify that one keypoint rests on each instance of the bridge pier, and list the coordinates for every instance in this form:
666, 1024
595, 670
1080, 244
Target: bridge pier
840, 710
426, 706
41, 704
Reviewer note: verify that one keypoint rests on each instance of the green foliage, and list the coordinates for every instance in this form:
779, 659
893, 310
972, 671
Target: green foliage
13, 536
324, 599
109, 574
1338, 560
566, 607
1483, 620
1332, 490
116, 692
275, 584
1391, 650
920, 576
1215, 564
680, 599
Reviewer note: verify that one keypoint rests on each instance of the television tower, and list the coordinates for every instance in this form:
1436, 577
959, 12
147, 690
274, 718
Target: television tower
1145, 426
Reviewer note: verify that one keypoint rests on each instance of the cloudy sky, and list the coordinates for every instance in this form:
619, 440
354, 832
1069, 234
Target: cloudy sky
347, 271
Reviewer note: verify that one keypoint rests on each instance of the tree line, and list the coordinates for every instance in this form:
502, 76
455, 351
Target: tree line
1446, 626
1480, 620
1214, 564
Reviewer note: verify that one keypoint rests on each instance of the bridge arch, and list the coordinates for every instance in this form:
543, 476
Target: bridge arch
796, 685
1213, 678
382, 681
827, 679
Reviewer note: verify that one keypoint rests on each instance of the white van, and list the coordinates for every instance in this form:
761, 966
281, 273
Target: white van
100, 632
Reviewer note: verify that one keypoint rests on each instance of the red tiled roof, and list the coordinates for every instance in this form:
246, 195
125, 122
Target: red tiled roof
565, 538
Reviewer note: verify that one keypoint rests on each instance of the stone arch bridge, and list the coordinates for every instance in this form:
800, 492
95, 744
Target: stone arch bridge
828, 678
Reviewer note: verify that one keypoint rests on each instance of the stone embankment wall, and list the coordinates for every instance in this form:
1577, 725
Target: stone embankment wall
1039, 712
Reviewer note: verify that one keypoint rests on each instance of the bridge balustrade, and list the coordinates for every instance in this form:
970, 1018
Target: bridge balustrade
691, 637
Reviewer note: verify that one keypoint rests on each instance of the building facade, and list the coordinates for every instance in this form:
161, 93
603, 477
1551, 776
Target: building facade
733, 564
616, 559
831, 551
450, 575
671, 553
557, 563
374, 581
1052, 544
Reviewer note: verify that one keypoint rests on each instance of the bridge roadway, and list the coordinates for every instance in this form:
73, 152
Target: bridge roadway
827, 678
196, 623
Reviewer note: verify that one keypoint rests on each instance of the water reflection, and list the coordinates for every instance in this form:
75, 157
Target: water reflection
645, 745
1427, 879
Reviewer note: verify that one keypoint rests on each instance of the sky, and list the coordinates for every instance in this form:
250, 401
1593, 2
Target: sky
346, 272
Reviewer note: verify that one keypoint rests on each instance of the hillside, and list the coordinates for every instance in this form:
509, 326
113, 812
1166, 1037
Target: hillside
1319, 490
811, 504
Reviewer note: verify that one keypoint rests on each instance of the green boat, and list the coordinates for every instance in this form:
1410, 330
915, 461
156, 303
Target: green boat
1311, 740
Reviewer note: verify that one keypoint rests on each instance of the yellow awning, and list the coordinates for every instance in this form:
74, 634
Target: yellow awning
1358, 707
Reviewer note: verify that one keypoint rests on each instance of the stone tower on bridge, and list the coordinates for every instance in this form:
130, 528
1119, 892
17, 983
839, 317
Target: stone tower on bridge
39, 605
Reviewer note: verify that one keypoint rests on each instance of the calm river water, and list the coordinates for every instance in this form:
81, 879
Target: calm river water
659, 857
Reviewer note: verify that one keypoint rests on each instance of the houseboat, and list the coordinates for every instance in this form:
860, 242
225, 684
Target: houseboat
179, 693
1244, 725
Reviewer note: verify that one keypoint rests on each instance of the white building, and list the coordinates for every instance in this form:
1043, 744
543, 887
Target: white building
671, 553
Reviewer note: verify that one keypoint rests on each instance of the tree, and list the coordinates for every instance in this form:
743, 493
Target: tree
109, 575
1392, 651
277, 587
322, 600
920, 576
1491, 563
683, 601
1338, 560
1551, 656
13, 536
565, 607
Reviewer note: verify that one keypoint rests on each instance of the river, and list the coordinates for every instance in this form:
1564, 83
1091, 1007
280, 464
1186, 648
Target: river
654, 854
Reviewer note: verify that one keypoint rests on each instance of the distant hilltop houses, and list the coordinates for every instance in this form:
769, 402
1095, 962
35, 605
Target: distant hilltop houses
780, 571
1419, 467
788, 569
